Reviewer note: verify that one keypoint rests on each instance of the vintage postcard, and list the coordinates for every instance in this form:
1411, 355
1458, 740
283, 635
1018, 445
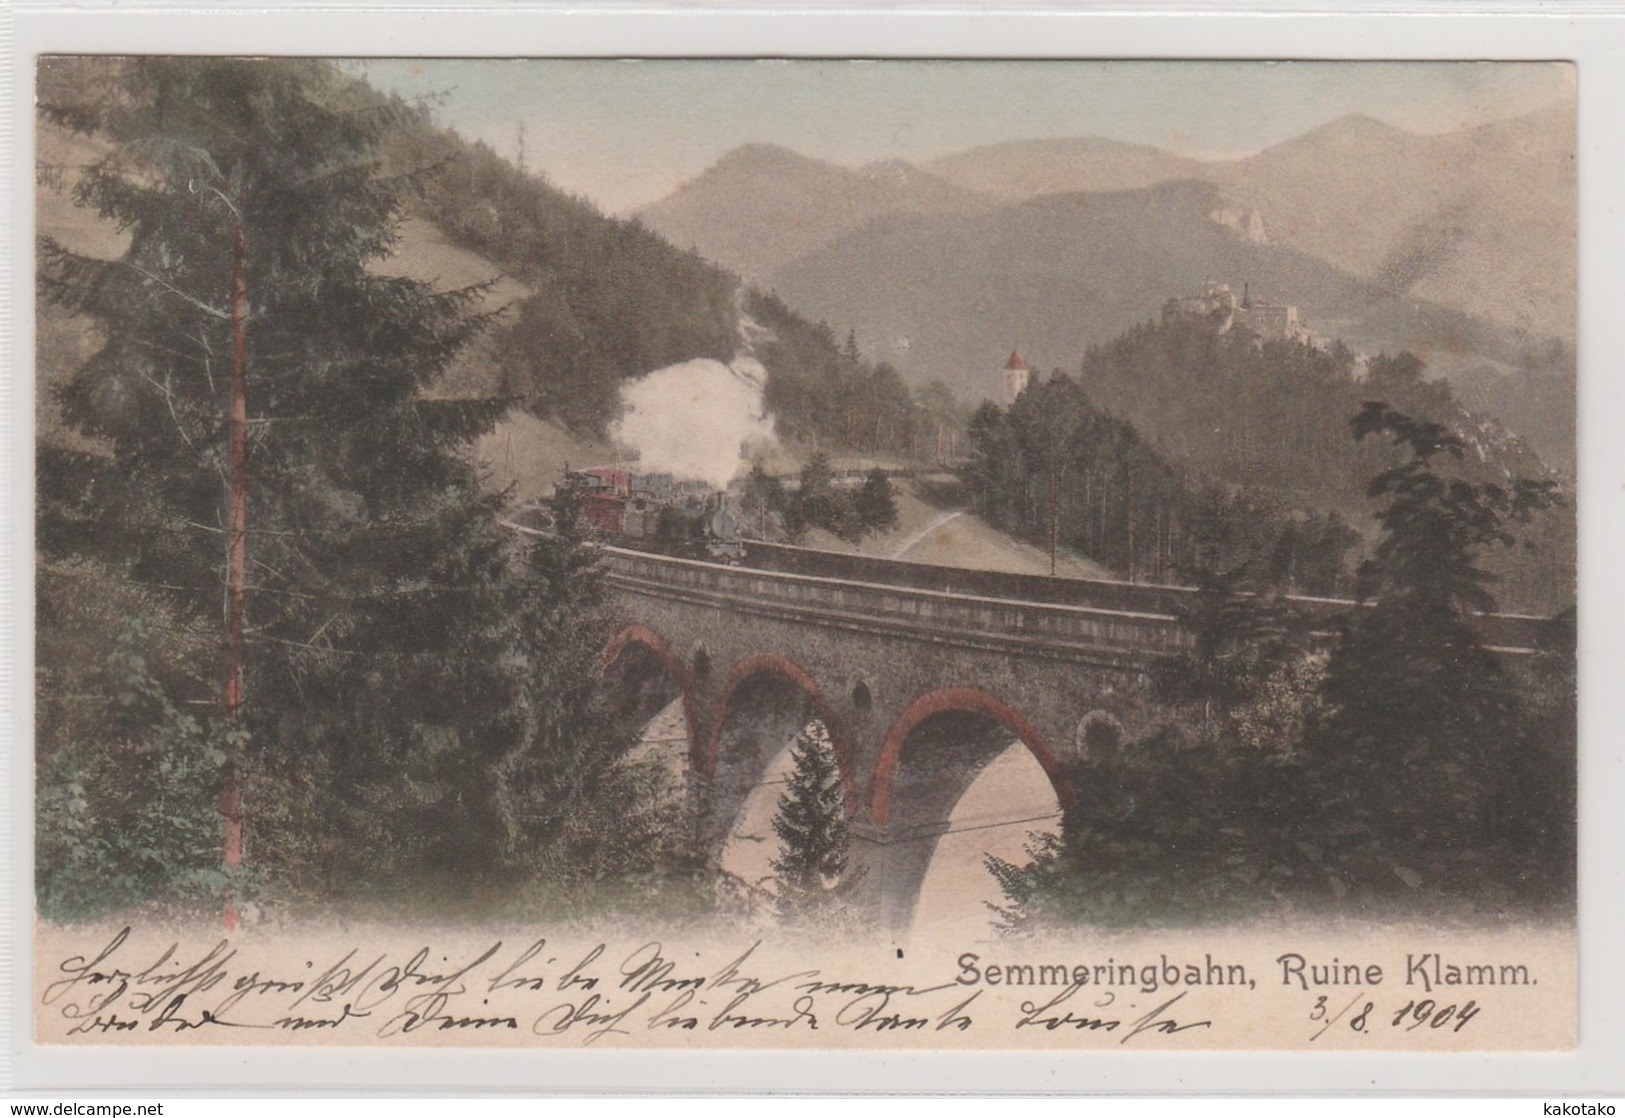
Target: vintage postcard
599, 553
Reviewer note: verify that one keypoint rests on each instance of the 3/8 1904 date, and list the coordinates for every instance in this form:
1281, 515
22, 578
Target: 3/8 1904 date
1415, 1014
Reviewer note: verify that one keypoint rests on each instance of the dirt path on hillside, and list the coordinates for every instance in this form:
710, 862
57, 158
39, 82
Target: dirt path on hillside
908, 544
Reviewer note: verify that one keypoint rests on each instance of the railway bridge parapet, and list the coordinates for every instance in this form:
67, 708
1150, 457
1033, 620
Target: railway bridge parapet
921, 675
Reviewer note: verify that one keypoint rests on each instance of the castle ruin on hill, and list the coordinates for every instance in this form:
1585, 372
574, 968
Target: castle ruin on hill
1217, 304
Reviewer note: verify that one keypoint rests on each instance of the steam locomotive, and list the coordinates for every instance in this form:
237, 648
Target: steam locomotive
655, 512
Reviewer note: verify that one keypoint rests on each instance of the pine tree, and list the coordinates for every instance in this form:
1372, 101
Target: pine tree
1240, 639
764, 496
877, 503
403, 664
816, 499
1423, 712
811, 825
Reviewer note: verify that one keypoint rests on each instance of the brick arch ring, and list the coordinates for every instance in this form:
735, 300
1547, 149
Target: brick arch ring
795, 673
654, 642
970, 700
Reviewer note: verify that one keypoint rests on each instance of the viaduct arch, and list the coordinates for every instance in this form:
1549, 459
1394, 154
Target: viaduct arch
644, 685
928, 760
764, 702
920, 674
958, 701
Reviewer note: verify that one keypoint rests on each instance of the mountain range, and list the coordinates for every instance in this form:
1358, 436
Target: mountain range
1458, 246
1481, 220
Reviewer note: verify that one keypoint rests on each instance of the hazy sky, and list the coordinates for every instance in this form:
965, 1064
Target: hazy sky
625, 133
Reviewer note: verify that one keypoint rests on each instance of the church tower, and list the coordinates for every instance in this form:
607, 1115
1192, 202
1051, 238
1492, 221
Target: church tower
1013, 378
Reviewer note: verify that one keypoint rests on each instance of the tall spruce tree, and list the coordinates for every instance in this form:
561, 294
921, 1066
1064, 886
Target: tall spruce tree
877, 502
417, 693
811, 825
1425, 720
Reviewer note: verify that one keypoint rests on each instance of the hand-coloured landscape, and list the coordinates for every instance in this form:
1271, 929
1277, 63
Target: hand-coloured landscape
791, 553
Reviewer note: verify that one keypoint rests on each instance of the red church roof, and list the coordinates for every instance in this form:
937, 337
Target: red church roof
1017, 361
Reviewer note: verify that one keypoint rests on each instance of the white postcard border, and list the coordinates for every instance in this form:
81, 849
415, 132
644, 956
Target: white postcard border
1592, 36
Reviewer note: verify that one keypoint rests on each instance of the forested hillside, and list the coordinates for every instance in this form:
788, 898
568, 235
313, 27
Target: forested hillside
1058, 470
611, 301
824, 392
1253, 467
1273, 416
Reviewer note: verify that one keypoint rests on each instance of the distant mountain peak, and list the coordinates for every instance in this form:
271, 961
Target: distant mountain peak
761, 155
891, 169
1058, 145
1019, 169
1351, 121
762, 205
1355, 127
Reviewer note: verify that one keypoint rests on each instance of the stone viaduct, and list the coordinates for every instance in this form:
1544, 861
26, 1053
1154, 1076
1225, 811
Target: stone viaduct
922, 675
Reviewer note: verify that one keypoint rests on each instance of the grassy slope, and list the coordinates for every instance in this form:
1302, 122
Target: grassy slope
923, 535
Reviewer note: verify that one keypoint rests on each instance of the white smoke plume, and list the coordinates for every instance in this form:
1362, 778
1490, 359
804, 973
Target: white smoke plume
697, 420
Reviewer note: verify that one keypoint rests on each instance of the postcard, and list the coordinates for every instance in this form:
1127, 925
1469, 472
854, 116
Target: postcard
594, 553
